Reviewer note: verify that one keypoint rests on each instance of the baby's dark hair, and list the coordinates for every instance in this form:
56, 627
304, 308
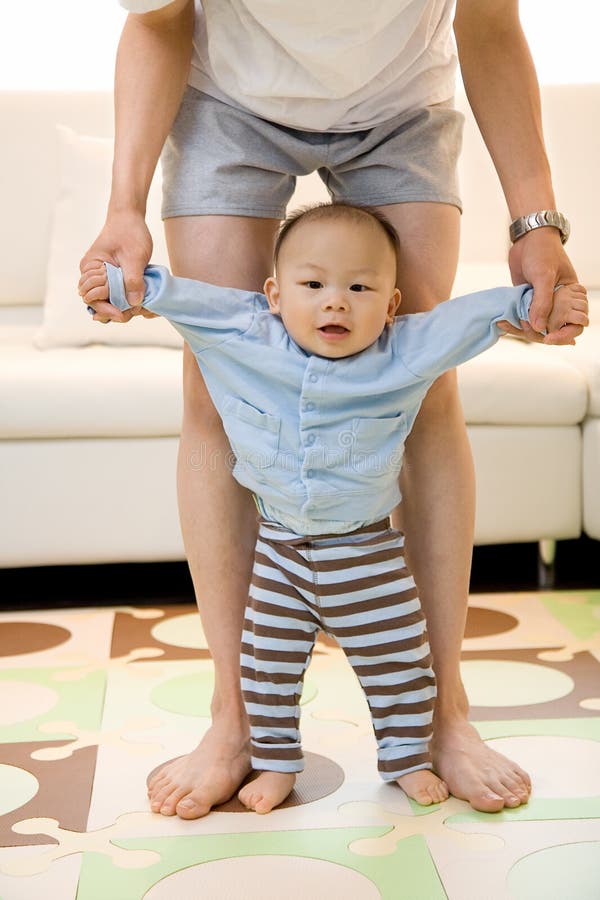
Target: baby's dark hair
328, 212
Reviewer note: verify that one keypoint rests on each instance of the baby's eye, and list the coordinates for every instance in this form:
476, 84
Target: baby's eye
313, 285
358, 287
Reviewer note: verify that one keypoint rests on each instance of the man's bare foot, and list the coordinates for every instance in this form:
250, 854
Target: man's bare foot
209, 775
473, 771
270, 789
424, 787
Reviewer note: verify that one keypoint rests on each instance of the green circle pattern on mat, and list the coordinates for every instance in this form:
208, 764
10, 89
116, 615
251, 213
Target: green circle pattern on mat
190, 695
17, 787
571, 870
500, 682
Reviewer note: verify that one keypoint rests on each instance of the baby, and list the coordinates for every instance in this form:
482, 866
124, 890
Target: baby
318, 385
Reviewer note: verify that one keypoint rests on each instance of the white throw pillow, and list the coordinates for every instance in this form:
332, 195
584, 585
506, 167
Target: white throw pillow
79, 214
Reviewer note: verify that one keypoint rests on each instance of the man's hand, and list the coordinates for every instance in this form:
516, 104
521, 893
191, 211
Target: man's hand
538, 258
125, 242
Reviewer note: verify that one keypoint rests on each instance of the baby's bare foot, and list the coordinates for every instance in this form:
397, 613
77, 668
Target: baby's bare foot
267, 791
424, 787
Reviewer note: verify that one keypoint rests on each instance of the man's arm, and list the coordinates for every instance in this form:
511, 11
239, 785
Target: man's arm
502, 88
152, 66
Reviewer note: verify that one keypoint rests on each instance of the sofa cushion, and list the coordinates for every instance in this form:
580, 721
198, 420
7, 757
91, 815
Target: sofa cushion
89, 392
519, 383
136, 391
585, 355
79, 213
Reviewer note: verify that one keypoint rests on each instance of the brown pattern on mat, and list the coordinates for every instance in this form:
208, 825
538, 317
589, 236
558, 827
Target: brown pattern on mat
484, 622
30, 637
584, 670
130, 633
65, 790
320, 778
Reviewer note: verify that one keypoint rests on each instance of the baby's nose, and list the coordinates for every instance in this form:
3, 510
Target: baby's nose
336, 300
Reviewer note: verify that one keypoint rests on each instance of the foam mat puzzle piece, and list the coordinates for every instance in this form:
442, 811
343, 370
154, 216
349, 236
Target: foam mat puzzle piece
88, 632
120, 785
412, 859
561, 766
131, 688
60, 882
571, 647
69, 842
85, 738
579, 613
140, 612
537, 810
81, 701
515, 684
588, 727
536, 626
519, 840
79, 668
430, 822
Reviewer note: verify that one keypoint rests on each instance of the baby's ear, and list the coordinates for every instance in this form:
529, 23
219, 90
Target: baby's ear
271, 290
393, 305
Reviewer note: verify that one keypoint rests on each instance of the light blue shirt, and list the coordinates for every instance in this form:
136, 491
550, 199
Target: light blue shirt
319, 441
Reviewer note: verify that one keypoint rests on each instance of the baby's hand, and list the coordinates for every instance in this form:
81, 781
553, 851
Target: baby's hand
93, 290
569, 307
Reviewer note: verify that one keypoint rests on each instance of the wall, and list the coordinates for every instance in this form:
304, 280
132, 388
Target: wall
66, 44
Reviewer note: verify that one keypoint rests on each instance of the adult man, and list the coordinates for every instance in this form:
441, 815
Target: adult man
276, 89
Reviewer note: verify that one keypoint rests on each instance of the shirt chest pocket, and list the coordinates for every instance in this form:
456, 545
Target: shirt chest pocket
254, 435
377, 445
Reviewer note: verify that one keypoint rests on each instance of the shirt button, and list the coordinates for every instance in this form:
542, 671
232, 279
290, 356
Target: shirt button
310, 406
313, 378
310, 439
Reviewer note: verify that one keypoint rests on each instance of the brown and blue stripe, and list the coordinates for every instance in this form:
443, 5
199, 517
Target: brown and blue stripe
357, 588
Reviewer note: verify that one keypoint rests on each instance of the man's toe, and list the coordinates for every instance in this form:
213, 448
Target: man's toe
192, 807
487, 801
160, 797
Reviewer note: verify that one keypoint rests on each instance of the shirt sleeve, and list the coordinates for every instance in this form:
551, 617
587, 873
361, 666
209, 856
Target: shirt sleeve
203, 314
430, 343
143, 6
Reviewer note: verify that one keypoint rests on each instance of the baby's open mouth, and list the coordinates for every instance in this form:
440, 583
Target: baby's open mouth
333, 329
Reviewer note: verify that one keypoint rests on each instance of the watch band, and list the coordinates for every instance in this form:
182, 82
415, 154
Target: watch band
541, 219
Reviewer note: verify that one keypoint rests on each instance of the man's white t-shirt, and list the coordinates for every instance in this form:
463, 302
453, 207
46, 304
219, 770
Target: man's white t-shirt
343, 65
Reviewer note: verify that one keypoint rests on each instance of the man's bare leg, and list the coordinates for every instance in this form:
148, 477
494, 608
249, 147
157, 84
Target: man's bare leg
218, 520
438, 513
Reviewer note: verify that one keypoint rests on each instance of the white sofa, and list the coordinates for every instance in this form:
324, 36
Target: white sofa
89, 433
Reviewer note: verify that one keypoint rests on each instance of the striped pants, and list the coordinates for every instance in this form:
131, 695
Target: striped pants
355, 587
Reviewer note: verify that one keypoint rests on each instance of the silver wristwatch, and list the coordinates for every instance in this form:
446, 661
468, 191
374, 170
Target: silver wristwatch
541, 219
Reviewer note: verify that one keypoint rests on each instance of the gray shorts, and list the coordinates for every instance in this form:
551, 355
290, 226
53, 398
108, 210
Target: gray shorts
220, 160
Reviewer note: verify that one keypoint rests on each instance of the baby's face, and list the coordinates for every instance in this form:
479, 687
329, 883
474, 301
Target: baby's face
335, 286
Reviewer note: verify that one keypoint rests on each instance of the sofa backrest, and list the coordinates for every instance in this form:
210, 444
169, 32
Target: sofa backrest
29, 164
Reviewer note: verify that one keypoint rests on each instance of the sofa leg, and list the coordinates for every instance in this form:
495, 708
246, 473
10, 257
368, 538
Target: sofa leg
546, 557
